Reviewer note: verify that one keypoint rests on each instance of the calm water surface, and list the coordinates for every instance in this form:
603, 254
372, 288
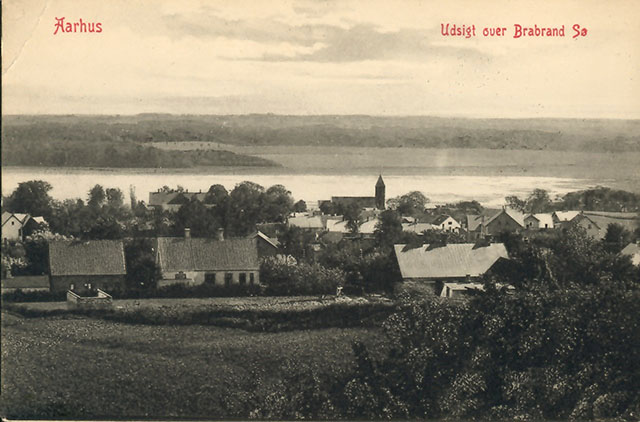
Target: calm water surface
489, 190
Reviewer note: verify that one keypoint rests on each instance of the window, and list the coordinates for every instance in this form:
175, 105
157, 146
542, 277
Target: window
228, 278
243, 279
252, 278
210, 278
180, 275
589, 225
13, 223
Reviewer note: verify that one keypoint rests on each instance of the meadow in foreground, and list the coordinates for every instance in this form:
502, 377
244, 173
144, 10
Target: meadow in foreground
78, 367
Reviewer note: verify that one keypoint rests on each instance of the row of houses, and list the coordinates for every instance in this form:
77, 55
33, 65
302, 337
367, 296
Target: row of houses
367, 225
100, 264
447, 270
595, 223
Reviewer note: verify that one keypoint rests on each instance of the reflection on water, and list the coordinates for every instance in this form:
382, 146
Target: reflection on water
490, 191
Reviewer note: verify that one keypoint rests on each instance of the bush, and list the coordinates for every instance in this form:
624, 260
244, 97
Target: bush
35, 296
283, 278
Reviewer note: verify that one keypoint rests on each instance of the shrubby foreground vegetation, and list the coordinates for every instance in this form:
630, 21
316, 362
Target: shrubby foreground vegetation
565, 344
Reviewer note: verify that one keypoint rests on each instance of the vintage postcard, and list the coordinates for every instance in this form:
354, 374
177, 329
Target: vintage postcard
327, 210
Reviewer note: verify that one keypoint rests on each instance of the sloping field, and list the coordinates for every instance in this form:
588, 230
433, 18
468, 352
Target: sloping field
75, 367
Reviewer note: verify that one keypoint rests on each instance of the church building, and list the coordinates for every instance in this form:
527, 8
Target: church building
377, 201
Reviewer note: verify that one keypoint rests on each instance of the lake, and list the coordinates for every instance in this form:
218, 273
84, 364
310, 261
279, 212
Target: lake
490, 190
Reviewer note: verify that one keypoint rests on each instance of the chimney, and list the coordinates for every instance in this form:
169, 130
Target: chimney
220, 234
187, 233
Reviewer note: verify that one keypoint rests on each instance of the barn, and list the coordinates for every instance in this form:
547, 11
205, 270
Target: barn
81, 266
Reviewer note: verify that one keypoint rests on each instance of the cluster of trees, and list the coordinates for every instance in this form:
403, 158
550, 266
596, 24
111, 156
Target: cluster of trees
410, 204
104, 215
363, 131
121, 154
596, 199
563, 345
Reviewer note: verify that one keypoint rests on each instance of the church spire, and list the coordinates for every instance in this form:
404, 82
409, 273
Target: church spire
380, 193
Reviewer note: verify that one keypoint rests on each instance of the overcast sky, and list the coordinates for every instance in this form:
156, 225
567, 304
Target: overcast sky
320, 57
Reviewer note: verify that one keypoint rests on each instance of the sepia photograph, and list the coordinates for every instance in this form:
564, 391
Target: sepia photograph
320, 210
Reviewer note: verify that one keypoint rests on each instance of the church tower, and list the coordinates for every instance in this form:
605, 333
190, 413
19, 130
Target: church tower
380, 188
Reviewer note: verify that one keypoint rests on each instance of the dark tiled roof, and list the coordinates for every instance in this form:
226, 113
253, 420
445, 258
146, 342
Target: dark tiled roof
94, 257
197, 254
26, 282
449, 261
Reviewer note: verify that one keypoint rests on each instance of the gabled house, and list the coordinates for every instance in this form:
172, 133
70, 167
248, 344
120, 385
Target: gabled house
446, 223
506, 220
538, 221
590, 226
492, 223
86, 265
474, 224
563, 218
13, 225
628, 220
426, 268
193, 261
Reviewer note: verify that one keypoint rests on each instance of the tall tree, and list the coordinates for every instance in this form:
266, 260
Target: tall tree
115, 197
300, 206
278, 204
246, 203
195, 216
538, 201
515, 203
97, 196
389, 228
616, 238
31, 197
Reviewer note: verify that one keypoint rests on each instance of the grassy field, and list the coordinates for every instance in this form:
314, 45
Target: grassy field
273, 314
278, 303
76, 367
